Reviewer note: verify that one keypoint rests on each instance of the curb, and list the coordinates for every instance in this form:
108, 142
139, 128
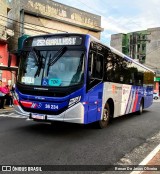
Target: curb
148, 159
7, 110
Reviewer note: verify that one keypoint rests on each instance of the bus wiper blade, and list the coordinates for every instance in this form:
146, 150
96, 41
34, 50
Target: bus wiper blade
56, 57
33, 50
40, 66
39, 61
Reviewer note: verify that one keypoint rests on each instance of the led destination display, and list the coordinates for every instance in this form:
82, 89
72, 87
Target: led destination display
53, 40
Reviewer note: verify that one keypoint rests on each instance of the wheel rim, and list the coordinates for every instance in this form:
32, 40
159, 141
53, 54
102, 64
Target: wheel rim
105, 115
105, 118
141, 108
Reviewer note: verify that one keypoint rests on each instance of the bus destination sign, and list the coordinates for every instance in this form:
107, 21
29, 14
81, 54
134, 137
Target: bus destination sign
51, 41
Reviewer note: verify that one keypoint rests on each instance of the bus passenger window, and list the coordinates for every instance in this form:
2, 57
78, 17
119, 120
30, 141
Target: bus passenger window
130, 81
121, 78
97, 71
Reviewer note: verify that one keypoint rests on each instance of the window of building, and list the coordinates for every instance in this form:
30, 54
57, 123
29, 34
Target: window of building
143, 47
144, 57
138, 47
144, 37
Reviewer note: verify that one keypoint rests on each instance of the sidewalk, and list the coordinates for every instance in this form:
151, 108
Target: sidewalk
152, 159
6, 110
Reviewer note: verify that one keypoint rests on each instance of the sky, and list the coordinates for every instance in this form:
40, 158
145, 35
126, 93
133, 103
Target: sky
120, 16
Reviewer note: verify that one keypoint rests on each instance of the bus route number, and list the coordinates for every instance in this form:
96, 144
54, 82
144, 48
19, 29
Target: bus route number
48, 106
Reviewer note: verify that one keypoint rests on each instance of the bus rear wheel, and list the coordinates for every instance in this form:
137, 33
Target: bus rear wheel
140, 108
105, 118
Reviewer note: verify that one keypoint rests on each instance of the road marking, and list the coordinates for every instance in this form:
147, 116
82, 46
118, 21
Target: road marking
12, 115
147, 159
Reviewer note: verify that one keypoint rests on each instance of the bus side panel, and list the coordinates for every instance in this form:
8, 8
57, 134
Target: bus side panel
113, 91
95, 103
126, 98
140, 94
134, 99
148, 96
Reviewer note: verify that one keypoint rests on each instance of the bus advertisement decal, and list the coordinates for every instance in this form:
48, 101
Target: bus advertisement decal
45, 82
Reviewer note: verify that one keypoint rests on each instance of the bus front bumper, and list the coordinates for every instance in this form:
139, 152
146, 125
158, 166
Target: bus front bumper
75, 114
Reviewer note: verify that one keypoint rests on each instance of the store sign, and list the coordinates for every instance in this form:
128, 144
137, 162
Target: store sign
157, 79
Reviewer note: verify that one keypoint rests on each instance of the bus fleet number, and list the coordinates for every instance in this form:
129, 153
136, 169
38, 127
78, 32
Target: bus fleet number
48, 106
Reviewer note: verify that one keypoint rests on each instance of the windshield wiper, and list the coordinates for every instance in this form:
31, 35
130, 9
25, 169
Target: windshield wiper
39, 61
33, 50
54, 59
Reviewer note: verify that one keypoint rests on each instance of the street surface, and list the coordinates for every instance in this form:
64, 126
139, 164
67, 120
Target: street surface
24, 142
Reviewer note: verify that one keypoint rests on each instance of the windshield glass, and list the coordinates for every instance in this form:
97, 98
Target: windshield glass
61, 67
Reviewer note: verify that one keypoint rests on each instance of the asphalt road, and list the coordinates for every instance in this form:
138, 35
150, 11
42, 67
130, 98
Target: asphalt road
30, 143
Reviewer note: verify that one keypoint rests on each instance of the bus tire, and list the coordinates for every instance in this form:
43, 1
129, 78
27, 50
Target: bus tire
156, 98
105, 119
140, 108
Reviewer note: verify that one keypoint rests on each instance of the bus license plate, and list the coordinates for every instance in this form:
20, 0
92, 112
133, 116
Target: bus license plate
38, 116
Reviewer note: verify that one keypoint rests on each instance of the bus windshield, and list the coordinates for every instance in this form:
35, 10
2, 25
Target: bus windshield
58, 68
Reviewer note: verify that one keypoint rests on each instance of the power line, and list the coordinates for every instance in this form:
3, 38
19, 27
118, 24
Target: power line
150, 53
38, 30
27, 23
35, 30
2, 26
153, 50
101, 14
18, 26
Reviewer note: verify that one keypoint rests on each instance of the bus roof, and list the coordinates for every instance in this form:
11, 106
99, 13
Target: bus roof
121, 54
95, 39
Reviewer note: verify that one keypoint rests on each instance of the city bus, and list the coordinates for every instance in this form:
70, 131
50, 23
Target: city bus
75, 78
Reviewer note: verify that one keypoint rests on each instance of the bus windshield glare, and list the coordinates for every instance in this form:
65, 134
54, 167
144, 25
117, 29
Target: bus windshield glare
58, 68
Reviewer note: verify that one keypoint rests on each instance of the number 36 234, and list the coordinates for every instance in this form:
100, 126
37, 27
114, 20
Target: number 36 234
48, 106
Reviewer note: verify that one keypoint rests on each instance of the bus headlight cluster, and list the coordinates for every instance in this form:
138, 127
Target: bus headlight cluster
73, 101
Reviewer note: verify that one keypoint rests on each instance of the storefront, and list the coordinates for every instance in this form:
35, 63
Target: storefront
8, 67
157, 84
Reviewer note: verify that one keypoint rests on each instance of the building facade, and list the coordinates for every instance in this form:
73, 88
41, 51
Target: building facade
132, 44
34, 17
20, 18
144, 46
7, 74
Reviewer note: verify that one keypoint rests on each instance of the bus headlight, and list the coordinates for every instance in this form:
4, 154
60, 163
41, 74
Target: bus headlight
73, 101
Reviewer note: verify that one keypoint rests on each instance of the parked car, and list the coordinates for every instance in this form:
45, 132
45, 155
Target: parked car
155, 95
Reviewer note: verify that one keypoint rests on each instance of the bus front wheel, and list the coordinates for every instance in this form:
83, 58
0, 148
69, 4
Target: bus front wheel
105, 118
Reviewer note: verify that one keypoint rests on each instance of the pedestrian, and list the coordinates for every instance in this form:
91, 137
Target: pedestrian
1, 97
12, 89
7, 95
